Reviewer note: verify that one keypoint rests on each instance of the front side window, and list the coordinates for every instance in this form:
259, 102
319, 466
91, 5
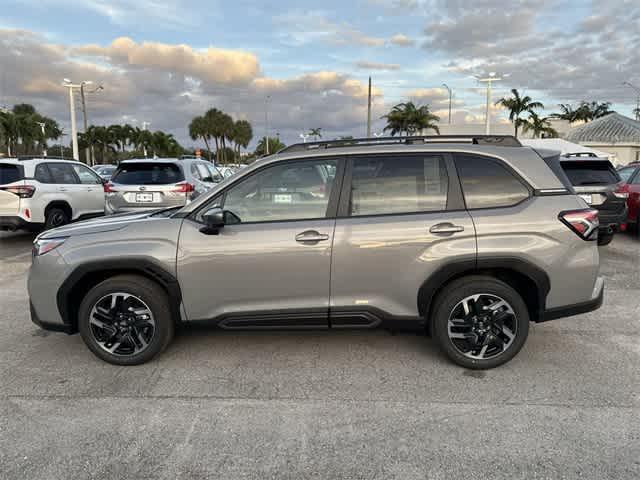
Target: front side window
487, 183
625, 173
85, 175
62, 173
290, 191
396, 184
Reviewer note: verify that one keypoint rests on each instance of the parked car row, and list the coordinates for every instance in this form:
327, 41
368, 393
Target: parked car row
47, 192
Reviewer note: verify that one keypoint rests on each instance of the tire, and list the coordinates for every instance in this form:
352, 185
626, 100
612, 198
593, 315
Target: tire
605, 239
503, 342
56, 217
126, 320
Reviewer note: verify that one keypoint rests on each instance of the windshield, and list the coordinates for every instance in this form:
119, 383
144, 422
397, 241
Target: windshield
583, 173
148, 174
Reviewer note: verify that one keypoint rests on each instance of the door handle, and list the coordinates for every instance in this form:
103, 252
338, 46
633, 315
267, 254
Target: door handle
62, 189
446, 228
311, 236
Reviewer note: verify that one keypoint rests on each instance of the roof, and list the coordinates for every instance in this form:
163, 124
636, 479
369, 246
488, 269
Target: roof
561, 145
612, 128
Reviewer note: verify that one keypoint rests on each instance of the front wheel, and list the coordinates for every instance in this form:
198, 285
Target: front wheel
126, 320
480, 322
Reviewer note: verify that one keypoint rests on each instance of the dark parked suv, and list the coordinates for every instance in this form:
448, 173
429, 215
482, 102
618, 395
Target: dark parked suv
597, 182
465, 239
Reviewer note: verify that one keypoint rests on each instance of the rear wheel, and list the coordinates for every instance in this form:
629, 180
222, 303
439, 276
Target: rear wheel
605, 239
56, 217
480, 322
126, 320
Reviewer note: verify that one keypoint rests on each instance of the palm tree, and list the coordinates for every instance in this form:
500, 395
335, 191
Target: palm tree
567, 113
315, 133
243, 135
213, 119
198, 128
408, 118
274, 145
518, 105
539, 126
584, 112
226, 129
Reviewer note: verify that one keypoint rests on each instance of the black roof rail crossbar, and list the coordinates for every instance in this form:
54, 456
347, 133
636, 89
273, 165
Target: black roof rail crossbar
42, 157
498, 140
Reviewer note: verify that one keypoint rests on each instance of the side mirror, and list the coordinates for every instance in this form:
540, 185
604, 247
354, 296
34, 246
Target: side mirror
213, 221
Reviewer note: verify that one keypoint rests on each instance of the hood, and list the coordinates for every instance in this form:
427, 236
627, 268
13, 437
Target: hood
101, 224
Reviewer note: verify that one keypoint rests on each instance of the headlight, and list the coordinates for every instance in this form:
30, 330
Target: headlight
44, 245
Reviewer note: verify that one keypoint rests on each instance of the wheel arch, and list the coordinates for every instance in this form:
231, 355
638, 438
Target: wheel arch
63, 204
527, 279
87, 276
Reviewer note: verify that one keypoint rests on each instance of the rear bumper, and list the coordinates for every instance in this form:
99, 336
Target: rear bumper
576, 309
612, 219
17, 223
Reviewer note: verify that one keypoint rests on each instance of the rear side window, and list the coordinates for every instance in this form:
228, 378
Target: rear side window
487, 183
10, 173
625, 173
42, 174
398, 184
148, 173
62, 173
585, 173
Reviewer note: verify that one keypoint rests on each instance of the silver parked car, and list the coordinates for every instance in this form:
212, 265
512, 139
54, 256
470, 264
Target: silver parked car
154, 183
463, 239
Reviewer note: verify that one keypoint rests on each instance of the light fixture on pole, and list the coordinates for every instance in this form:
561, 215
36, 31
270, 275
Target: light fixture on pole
449, 90
492, 77
266, 124
304, 137
637, 90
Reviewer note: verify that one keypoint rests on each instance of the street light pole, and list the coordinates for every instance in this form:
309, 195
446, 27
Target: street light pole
72, 109
489, 81
637, 90
266, 125
44, 139
144, 147
449, 90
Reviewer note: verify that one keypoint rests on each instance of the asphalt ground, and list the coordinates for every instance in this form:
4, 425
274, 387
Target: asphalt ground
324, 405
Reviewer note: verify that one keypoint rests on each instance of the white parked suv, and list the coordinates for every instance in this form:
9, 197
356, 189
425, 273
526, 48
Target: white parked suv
47, 192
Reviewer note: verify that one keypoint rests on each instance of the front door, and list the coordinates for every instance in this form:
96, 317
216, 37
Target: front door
91, 190
272, 267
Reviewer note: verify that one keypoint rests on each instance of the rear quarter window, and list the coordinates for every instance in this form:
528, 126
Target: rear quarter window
585, 173
487, 183
10, 173
148, 174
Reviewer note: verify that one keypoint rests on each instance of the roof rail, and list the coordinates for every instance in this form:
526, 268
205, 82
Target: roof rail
43, 157
497, 140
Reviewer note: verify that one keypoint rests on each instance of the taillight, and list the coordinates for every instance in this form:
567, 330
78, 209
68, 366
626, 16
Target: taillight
184, 187
584, 223
23, 191
622, 191
108, 187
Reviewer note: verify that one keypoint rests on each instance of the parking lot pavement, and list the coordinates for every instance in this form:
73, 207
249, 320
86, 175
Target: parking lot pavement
362, 404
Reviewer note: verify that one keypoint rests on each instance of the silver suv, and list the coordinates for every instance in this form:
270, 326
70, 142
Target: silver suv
464, 239
149, 184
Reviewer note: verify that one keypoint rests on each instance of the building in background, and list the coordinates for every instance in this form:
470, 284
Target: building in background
614, 133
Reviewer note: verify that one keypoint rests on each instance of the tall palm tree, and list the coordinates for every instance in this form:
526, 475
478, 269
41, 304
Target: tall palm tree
518, 105
274, 145
243, 135
408, 118
315, 133
226, 129
539, 126
567, 112
198, 128
213, 118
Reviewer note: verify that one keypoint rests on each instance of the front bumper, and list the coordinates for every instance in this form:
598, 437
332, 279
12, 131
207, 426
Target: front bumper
54, 327
46, 275
13, 223
594, 303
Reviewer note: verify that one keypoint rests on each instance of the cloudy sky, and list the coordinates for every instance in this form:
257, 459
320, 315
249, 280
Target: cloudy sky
166, 61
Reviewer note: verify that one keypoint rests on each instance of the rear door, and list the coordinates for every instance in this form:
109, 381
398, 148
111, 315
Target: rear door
10, 174
401, 218
69, 188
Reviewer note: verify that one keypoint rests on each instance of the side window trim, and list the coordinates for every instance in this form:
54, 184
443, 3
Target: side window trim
45, 166
507, 167
454, 192
332, 206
